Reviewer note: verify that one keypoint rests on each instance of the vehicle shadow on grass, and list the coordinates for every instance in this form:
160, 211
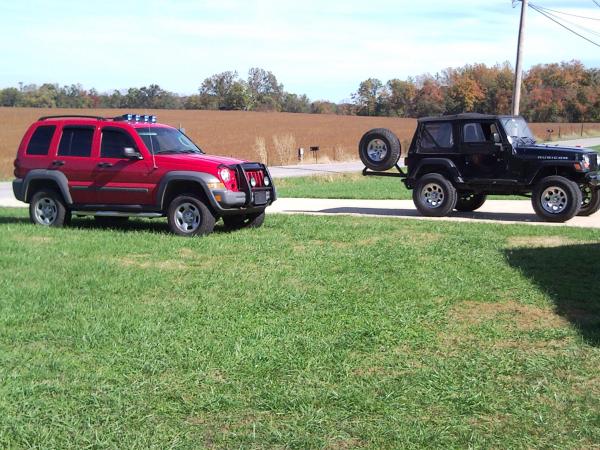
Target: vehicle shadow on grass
569, 275
395, 212
5, 220
151, 226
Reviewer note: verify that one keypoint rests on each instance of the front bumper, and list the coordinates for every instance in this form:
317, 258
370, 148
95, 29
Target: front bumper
254, 200
593, 179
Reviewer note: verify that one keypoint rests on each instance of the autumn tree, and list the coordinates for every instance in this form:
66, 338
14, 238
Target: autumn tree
367, 98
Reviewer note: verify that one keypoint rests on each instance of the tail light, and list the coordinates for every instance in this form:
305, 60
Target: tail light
17, 167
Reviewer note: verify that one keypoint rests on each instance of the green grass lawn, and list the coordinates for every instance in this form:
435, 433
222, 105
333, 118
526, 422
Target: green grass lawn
310, 332
597, 148
350, 185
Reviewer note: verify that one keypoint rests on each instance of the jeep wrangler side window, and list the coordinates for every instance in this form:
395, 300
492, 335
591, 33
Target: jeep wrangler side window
113, 143
39, 144
76, 141
476, 132
437, 136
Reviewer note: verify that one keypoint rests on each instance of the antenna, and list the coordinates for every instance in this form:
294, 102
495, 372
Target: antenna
154, 166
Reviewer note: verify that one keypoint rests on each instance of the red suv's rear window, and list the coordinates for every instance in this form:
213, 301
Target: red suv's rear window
40, 140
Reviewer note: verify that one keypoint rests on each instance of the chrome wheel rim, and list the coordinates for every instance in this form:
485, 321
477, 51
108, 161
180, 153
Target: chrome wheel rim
45, 211
554, 200
586, 193
187, 217
433, 195
377, 149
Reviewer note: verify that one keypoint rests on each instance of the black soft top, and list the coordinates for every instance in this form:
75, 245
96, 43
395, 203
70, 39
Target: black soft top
463, 116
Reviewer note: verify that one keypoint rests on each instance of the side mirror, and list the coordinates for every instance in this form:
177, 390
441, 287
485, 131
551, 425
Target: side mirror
131, 153
497, 139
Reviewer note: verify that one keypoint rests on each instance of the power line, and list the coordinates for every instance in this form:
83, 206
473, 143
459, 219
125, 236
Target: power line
581, 27
596, 3
569, 14
535, 8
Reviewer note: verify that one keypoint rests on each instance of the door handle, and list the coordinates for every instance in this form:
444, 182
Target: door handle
58, 163
104, 165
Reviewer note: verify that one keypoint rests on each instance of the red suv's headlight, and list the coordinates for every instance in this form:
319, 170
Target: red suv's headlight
227, 176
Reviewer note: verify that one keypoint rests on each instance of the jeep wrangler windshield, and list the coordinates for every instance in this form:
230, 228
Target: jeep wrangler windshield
517, 130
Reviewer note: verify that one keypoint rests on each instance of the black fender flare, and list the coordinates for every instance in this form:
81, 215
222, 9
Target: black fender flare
201, 178
444, 162
43, 174
550, 164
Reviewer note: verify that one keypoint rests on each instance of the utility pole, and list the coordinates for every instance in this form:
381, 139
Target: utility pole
519, 66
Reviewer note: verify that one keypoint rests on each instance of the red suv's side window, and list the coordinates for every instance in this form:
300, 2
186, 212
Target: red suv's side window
76, 141
113, 143
39, 144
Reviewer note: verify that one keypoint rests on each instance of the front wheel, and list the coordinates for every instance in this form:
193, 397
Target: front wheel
468, 201
244, 221
556, 199
189, 216
590, 200
47, 208
434, 195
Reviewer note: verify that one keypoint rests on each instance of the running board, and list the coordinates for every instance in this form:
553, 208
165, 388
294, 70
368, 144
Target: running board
116, 214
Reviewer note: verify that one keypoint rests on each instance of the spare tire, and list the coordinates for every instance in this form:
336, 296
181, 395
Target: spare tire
379, 149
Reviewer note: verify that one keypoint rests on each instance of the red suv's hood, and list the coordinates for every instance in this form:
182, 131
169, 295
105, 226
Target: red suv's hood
192, 159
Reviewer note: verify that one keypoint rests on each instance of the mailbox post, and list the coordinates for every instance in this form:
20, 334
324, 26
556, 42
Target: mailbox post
315, 150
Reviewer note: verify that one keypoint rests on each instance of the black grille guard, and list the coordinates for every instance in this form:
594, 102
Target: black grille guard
240, 170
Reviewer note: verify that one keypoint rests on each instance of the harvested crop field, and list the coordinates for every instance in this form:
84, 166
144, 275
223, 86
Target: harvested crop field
270, 137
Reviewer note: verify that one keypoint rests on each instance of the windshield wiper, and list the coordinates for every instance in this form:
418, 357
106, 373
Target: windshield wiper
166, 151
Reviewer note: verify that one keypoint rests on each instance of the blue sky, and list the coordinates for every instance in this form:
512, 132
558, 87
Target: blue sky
323, 48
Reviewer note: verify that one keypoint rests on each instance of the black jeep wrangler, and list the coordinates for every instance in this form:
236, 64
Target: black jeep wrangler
455, 162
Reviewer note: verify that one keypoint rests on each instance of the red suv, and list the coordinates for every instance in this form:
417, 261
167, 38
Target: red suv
131, 166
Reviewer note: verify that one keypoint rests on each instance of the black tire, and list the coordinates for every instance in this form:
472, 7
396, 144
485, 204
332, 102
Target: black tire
468, 201
379, 149
556, 199
189, 216
434, 195
590, 203
244, 221
48, 208
108, 221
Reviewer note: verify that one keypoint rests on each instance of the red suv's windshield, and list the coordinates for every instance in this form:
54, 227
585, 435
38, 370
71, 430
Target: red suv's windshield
167, 140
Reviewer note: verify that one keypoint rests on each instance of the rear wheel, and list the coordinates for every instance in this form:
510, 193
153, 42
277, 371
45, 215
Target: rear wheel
189, 216
590, 200
244, 221
434, 195
48, 208
469, 201
379, 149
556, 199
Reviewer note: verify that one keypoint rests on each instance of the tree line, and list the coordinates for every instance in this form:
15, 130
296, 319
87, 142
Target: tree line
559, 92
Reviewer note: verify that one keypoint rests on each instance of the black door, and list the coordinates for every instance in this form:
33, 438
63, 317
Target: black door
483, 156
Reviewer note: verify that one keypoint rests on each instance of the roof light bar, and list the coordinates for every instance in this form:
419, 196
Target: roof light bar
137, 118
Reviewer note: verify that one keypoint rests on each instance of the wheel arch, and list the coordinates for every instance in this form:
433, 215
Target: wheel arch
180, 182
39, 178
442, 166
563, 170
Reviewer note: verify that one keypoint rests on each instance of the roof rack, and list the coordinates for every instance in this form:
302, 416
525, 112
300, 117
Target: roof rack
80, 116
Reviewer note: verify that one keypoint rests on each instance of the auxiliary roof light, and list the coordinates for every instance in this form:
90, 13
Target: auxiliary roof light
137, 118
